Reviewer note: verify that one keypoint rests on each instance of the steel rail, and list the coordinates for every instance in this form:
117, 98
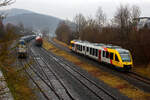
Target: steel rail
59, 60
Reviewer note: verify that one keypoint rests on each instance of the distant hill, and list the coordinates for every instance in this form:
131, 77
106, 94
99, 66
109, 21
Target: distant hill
32, 20
14, 11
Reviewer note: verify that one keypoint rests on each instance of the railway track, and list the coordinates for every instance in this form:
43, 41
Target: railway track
51, 89
139, 77
91, 85
42, 83
141, 82
54, 80
96, 89
34, 81
62, 81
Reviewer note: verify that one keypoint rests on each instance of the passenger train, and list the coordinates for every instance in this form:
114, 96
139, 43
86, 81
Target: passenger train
114, 55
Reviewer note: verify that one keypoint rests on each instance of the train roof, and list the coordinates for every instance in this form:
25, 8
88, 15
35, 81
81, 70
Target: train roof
122, 51
86, 43
100, 46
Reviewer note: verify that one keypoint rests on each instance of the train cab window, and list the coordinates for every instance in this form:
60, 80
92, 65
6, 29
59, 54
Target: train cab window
111, 56
104, 54
107, 54
116, 58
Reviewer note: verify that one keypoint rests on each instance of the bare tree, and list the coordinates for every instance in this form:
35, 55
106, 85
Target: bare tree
123, 21
136, 12
100, 17
122, 16
3, 15
91, 21
63, 32
45, 31
6, 2
91, 30
80, 22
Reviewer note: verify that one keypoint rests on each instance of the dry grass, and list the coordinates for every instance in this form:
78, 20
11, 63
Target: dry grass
17, 81
114, 81
62, 43
142, 70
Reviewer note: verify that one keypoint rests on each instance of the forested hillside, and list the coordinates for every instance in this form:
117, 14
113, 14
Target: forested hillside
32, 20
120, 30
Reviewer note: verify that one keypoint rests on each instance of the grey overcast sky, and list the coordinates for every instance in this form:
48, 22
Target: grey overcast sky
67, 9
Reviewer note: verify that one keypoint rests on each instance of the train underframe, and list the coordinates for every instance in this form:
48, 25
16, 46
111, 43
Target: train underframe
22, 55
124, 68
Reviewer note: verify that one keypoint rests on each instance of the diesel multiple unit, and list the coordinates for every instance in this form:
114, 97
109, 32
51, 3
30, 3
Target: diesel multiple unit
114, 55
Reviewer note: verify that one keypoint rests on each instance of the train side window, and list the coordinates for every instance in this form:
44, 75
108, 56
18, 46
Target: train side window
93, 52
111, 56
83, 48
96, 54
72, 45
87, 49
116, 58
103, 53
79, 47
107, 54
90, 51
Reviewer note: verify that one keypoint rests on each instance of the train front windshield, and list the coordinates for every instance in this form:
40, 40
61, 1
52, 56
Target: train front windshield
22, 42
125, 57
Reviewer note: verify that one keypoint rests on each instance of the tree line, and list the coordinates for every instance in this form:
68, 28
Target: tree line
120, 30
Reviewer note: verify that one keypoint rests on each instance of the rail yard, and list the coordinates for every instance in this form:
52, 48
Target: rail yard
74, 50
56, 78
